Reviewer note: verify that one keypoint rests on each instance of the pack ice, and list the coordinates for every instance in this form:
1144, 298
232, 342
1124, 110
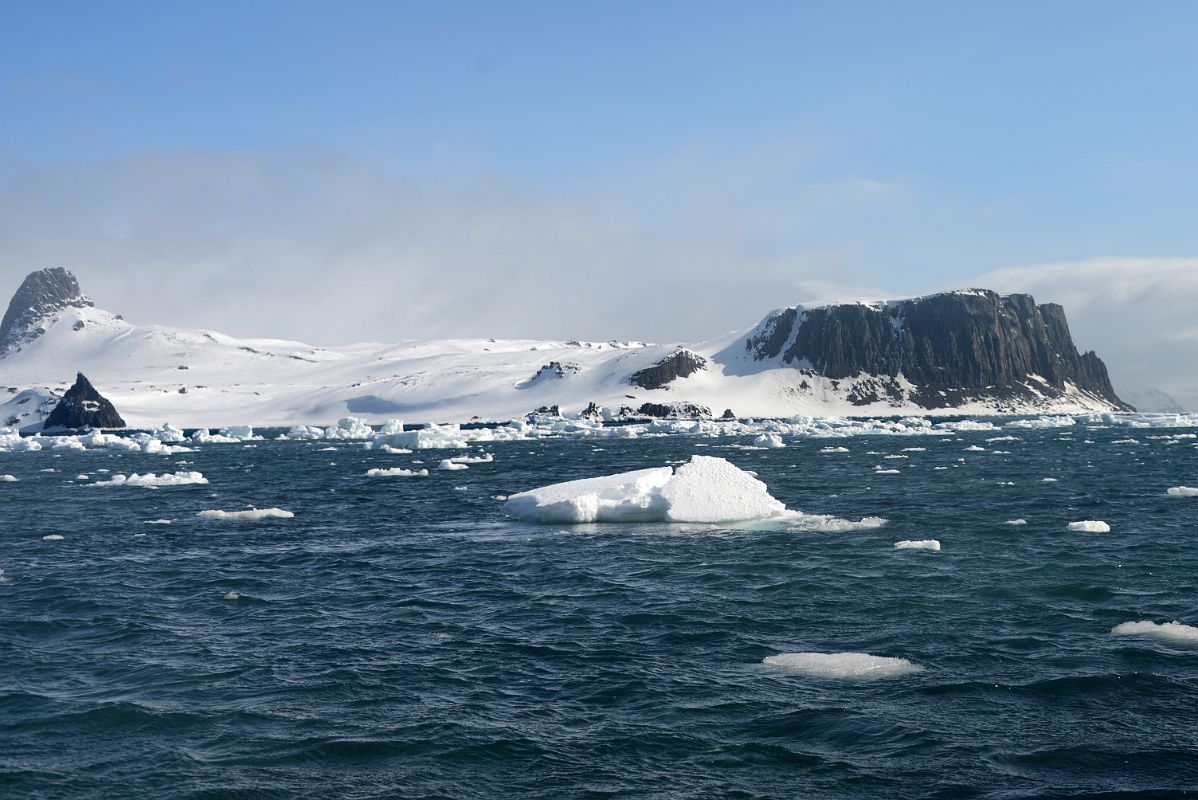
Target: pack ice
706, 489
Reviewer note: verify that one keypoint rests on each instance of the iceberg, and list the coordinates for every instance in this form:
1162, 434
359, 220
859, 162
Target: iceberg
1090, 526
706, 489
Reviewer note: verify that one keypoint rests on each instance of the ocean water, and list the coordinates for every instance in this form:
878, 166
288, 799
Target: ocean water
400, 637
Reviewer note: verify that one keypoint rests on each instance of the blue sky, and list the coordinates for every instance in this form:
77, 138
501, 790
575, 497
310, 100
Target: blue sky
790, 148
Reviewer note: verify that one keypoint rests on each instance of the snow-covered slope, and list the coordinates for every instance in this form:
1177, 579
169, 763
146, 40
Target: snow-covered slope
194, 378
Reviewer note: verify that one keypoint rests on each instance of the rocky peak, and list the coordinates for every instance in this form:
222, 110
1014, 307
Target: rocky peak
41, 295
83, 407
679, 364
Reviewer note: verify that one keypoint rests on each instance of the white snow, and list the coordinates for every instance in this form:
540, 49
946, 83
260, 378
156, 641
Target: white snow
396, 472
253, 514
150, 480
1169, 631
707, 489
1090, 526
917, 544
1182, 491
848, 666
769, 440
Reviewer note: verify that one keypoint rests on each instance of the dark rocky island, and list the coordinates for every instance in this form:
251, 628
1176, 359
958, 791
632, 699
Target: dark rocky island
83, 407
949, 348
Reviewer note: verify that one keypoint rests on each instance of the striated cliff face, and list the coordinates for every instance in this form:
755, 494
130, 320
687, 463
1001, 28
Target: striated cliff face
41, 295
951, 348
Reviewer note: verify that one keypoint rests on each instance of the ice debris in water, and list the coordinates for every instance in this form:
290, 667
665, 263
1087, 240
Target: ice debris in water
834, 450
849, 666
1169, 631
1182, 491
771, 440
7, 478
450, 465
150, 480
396, 472
1015, 522
253, 513
1090, 526
53, 537
707, 489
157, 522
232, 596
918, 544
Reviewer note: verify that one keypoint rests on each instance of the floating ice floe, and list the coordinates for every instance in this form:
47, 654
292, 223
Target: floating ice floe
1015, 522
918, 544
707, 489
232, 596
447, 464
157, 522
834, 450
973, 448
848, 666
396, 472
485, 458
150, 480
53, 537
770, 440
1182, 491
878, 471
1169, 631
253, 514
1090, 526
8, 479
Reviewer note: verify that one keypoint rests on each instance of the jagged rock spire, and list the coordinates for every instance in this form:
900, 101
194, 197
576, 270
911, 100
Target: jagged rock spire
41, 294
83, 407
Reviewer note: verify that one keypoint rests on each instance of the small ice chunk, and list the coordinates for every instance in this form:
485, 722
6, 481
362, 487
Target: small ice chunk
834, 450
848, 666
253, 513
396, 472
1182, 491
1169, 631
973, 448
157, 522
53, 537
231, 595
1090, 526
770, 440
151, 480
1015, 522
1048, 480
451, 465
918, 544
7, 478
886, 472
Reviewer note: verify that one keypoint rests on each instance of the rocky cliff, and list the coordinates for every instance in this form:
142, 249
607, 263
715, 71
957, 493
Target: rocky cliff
83, 407
41, 295
939, 351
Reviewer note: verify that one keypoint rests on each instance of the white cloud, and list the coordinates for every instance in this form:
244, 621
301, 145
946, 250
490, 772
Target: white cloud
1138, 313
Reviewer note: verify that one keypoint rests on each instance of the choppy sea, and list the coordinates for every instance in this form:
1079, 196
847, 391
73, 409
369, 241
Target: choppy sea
401, 637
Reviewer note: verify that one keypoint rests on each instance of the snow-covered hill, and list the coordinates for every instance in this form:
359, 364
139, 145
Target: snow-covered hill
198, 378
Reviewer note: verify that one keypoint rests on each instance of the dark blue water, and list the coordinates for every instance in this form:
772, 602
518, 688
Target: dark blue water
401, 638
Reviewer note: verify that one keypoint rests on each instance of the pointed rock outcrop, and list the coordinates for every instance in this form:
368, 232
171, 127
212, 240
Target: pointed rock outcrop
41, 295
83, 407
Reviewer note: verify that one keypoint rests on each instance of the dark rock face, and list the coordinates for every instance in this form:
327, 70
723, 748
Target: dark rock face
678, 364
41, 294
674, 411
552, 370
953, 347
728, 414
83, 407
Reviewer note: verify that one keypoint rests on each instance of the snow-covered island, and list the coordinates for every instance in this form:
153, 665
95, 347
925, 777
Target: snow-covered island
964, 352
